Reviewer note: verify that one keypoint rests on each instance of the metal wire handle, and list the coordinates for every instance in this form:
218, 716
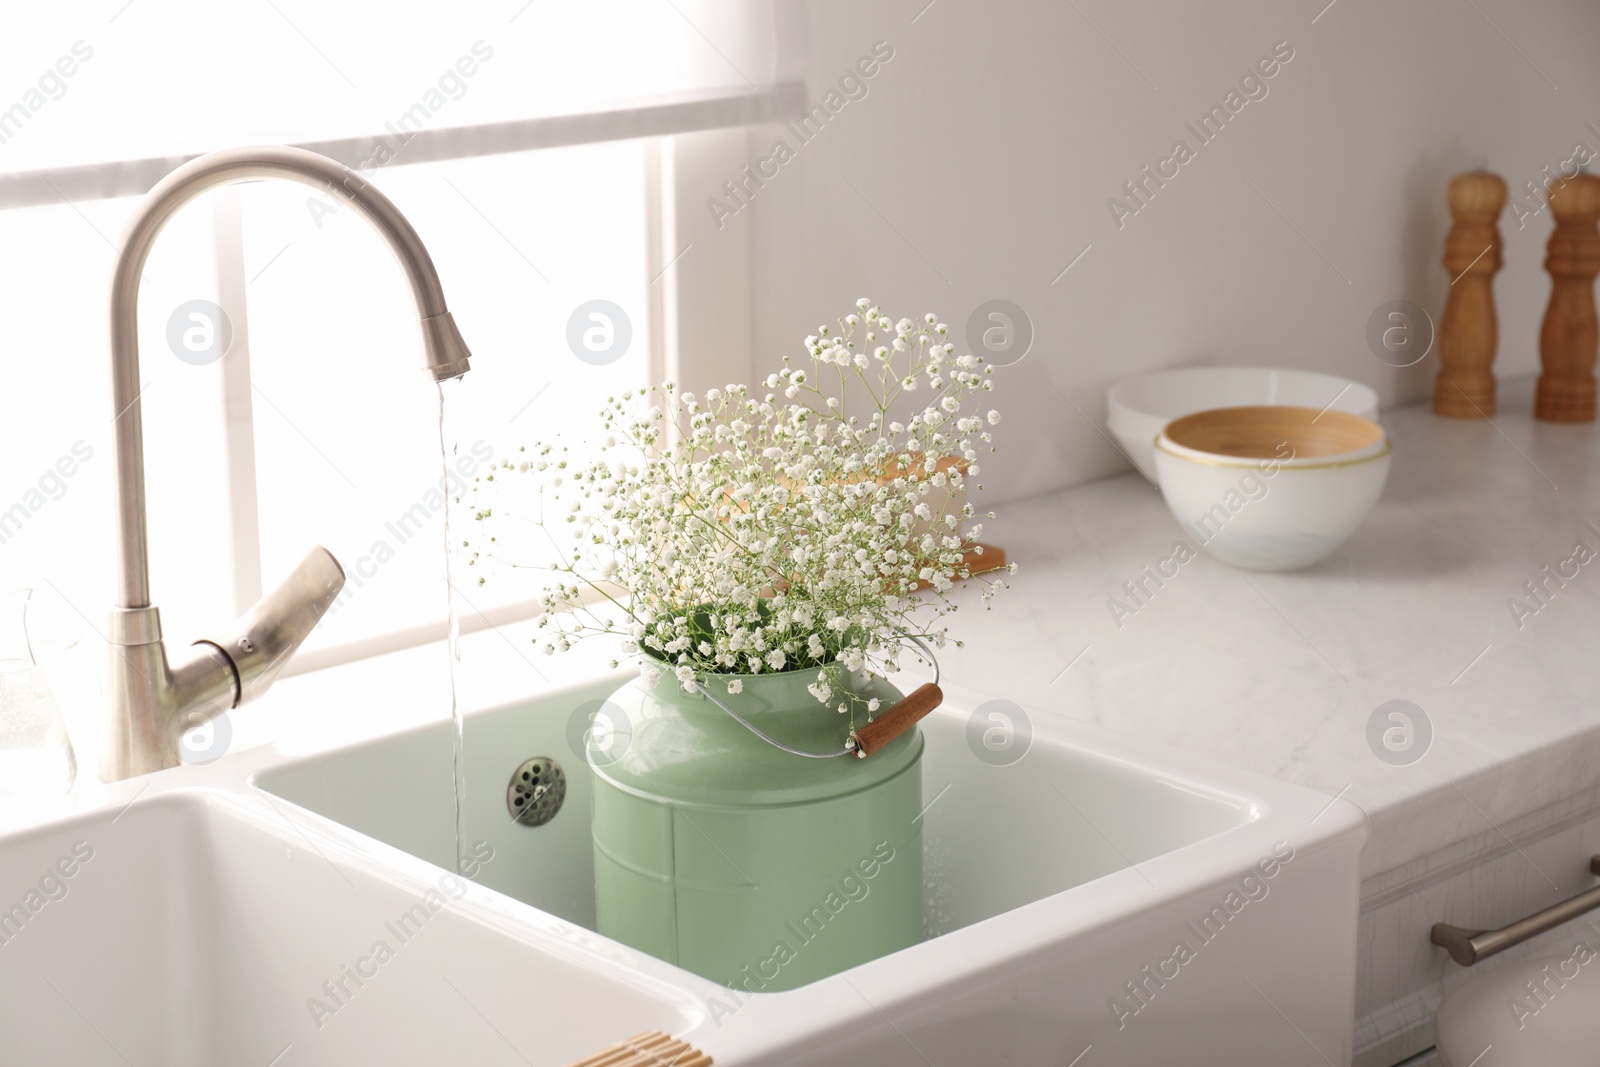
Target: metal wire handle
850, 745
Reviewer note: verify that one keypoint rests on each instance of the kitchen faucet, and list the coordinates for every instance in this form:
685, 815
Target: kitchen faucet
153, 698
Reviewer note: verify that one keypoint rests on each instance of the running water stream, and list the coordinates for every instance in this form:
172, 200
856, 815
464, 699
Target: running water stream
453, 637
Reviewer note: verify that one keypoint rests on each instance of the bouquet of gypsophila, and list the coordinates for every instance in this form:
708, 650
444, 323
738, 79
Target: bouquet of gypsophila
746, 532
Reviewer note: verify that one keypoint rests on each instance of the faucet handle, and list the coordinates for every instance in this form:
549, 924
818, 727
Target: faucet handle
263, 640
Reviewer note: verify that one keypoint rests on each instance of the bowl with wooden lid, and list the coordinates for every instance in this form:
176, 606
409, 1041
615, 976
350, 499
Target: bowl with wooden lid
1137, 408
1271, 488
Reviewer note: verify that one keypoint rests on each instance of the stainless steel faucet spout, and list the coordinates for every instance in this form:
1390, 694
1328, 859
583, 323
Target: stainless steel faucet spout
151, 698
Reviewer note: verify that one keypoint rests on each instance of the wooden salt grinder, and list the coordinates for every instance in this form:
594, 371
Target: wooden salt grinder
1469, 332
1567, 341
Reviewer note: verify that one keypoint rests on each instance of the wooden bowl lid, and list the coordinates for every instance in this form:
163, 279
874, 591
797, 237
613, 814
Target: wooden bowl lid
1259, 432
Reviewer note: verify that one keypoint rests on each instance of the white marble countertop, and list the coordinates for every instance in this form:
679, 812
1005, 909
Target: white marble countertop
1279, 673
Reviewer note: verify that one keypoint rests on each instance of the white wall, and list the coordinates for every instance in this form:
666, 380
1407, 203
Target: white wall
997, 133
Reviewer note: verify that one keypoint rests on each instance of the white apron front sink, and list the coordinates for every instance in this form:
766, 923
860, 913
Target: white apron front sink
203, 928
1100, 901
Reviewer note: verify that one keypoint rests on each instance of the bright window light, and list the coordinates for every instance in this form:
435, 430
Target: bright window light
319, 425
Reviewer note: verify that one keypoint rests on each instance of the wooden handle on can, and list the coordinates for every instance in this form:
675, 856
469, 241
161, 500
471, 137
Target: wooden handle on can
898, 719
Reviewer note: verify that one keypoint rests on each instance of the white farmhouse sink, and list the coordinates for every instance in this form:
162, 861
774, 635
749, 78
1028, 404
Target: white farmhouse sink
195, 927
1059, 890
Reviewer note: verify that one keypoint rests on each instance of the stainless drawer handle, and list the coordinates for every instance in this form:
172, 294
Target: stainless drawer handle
1467, 947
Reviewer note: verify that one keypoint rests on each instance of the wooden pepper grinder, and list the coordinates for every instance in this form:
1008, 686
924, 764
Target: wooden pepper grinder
1567, 340
1469, 332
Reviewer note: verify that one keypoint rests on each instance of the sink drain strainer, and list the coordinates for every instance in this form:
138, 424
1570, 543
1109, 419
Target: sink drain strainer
536, 791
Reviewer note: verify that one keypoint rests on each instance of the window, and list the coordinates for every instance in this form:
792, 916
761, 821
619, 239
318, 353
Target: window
347, 425
319, 426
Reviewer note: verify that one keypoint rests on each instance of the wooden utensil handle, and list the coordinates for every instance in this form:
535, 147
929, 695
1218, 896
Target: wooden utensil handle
649, 1049
898, 719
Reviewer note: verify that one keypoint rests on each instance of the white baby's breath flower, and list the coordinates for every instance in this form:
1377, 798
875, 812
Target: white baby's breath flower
760, 530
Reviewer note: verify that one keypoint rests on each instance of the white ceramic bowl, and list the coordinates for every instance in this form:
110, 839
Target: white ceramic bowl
1138, 408
1271, 488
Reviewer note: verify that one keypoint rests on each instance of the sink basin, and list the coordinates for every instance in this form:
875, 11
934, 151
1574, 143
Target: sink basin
1100, 898
196, 927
